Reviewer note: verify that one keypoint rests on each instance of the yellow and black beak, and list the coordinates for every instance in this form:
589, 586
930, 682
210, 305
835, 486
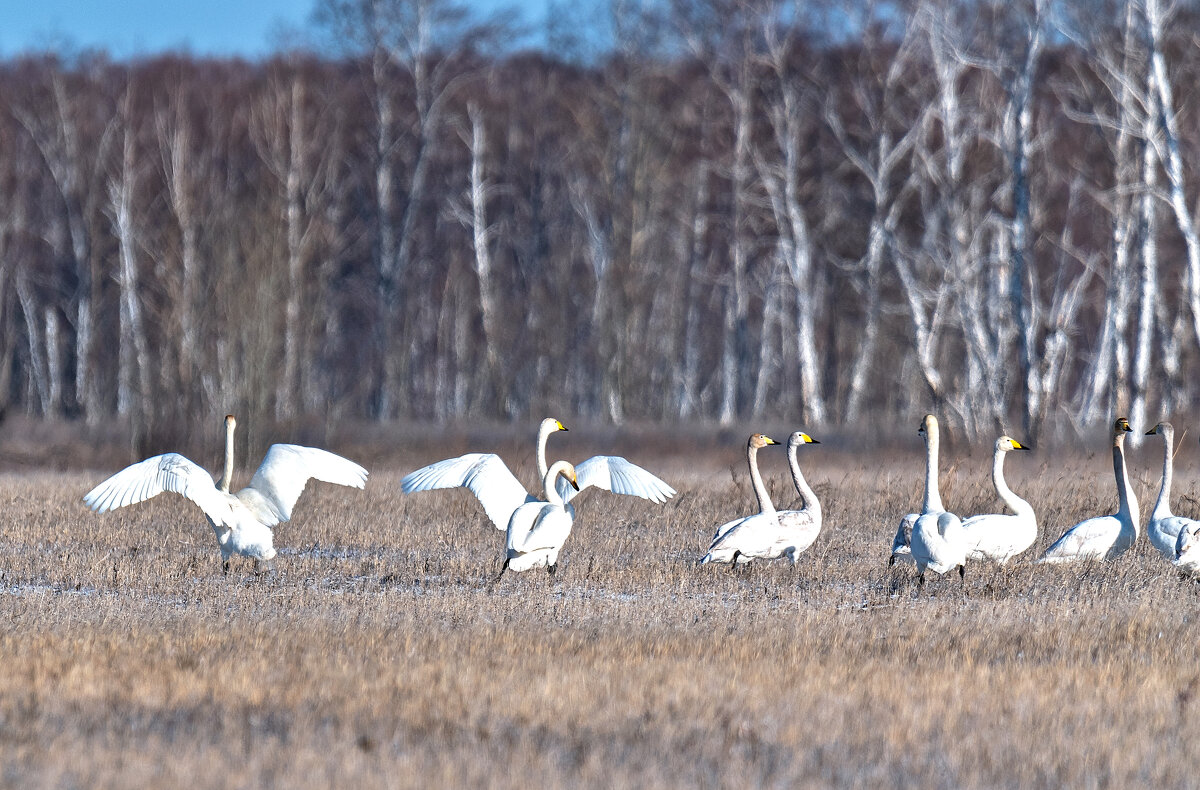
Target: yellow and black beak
769, 440
1018, 446
574, 483
558, 424
808, 439
1152, 431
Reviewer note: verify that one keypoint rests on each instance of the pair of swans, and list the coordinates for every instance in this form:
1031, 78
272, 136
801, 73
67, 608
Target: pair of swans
769, 533
937, 540
243, 520
536, 529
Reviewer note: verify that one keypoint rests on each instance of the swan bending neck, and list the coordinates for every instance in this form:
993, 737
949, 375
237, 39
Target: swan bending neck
1014, 502
550, 478
807, 497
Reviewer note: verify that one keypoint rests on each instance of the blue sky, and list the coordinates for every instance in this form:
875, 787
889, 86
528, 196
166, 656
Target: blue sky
138, 27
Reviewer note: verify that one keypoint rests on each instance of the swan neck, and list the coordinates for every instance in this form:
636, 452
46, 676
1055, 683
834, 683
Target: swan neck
760, 490
549, 490
1164, 493
543, 435
1014, 502
1125, 495
227, 476
933, 497
807, 496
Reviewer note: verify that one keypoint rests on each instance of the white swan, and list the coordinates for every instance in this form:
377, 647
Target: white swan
537, 530
937, 541
1000, 537
1187, 549
1103, 537
242, 521
1164, 527
771, 534
766, 515
501, 493
932, 500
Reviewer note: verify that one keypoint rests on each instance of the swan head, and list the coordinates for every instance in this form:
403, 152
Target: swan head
928, 427
569, 474
1120, 428
550, 425
758, 441
799, 437
1164, 428
1006, 443
230, 420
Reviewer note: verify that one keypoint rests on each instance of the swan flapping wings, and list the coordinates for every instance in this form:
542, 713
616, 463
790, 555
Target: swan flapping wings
615, 474
151, 477
285, 471
484, 474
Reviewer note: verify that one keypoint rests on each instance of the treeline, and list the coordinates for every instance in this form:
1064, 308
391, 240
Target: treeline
829, 214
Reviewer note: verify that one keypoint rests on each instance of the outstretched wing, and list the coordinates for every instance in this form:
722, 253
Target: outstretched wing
487, 477
613, 473
145, 479
284, 472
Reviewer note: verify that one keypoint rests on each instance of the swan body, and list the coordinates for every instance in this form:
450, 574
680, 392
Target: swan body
241, 520
764, 521
1103, 537
500, 493
537, 530
1164, 527
789, 534
999, 537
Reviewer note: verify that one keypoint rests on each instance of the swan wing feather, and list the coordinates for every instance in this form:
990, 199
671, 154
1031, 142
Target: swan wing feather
616, 474
484, 474
285, 471
151, 477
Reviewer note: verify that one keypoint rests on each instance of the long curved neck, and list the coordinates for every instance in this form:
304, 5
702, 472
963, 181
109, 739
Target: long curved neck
1162, 507
227, 477
544, 432
549, 490
933, 497
806, 493
1014, 502
760, 490
1128, 501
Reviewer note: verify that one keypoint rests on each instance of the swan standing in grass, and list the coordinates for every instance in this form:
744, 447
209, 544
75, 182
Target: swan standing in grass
789, 533
999, 537
938, 543
1103, 537
766, 518
932, 501
537, 530
242, 521
1164, 527
500, 493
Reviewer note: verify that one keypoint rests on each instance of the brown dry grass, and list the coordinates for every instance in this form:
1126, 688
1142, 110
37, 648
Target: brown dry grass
376, 657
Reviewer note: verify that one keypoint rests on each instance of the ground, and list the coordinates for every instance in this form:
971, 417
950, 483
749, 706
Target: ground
376, 656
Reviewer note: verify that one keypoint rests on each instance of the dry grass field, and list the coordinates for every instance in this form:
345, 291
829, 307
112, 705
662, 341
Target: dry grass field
375, 655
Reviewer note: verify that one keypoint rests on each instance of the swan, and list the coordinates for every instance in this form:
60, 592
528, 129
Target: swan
932, 501
1187, 549
937, 541
1103, 537
999, 537
1164, 527
771, 534
766, 515
242, 521
537, 530
500, 493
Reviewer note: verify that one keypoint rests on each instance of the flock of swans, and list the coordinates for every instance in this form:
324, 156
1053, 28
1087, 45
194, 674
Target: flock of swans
537, 526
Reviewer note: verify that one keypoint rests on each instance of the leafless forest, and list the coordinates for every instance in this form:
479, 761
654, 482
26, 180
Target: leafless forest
835, 213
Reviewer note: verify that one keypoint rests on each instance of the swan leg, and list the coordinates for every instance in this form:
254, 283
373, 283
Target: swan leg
962, 573
733, 561
920, 579
503, 568
891, 560
552, 568
224, 566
